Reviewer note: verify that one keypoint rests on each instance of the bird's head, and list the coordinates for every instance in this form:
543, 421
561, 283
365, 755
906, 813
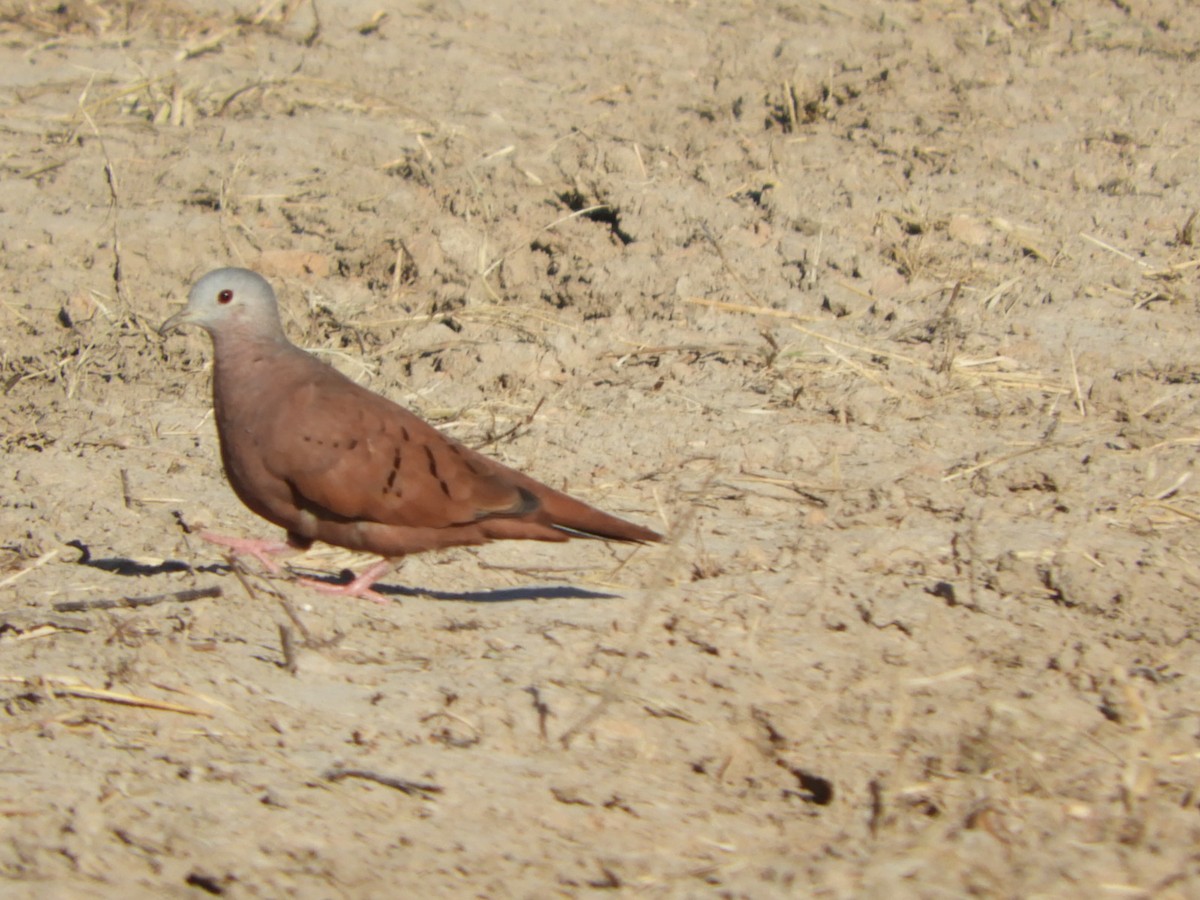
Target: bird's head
230, 301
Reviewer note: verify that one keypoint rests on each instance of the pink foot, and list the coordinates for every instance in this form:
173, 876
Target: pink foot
359, 587
256, 547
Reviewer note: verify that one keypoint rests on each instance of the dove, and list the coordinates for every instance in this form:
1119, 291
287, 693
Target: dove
328, 460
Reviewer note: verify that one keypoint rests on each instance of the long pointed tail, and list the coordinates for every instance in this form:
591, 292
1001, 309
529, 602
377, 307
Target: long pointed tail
579, 520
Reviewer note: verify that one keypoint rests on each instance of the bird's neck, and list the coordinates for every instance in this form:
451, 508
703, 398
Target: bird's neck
242, 365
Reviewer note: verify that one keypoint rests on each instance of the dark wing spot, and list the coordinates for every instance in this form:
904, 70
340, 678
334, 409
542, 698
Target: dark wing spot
445, 487
432, 462
404, 433
353, 443
307, 439
337, 444
390, 481
454, 449
396, 459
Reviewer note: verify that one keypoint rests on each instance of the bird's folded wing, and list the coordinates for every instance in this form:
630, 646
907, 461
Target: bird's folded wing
355, 455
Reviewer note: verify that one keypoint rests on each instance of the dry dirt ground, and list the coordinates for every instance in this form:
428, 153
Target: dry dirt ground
886, 311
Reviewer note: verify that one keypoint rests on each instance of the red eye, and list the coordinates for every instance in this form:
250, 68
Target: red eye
226, 296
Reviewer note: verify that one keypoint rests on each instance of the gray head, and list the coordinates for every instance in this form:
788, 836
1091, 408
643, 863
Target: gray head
230, 302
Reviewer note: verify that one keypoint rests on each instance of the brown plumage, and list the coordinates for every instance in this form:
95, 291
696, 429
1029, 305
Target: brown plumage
326, 459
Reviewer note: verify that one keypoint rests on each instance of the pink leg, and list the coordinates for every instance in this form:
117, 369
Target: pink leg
257, 547
359, 587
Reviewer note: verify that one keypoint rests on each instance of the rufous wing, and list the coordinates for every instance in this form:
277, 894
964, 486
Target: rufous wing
357, 455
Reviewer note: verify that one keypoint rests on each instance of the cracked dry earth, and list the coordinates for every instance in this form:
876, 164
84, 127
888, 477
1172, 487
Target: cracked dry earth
885, 311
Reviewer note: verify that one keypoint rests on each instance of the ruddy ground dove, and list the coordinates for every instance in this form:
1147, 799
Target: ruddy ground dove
326, 459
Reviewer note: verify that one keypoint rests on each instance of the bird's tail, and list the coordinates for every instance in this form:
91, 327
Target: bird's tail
577, 519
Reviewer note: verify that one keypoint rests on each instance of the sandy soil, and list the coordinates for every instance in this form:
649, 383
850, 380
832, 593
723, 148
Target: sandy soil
885, 310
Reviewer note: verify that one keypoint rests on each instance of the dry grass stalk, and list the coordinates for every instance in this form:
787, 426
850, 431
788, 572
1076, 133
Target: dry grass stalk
67, 685
1009, 457
975, 372
753, 310
36, 564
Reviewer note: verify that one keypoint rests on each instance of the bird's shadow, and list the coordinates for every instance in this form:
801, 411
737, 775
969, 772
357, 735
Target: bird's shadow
129, 568
498, 595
